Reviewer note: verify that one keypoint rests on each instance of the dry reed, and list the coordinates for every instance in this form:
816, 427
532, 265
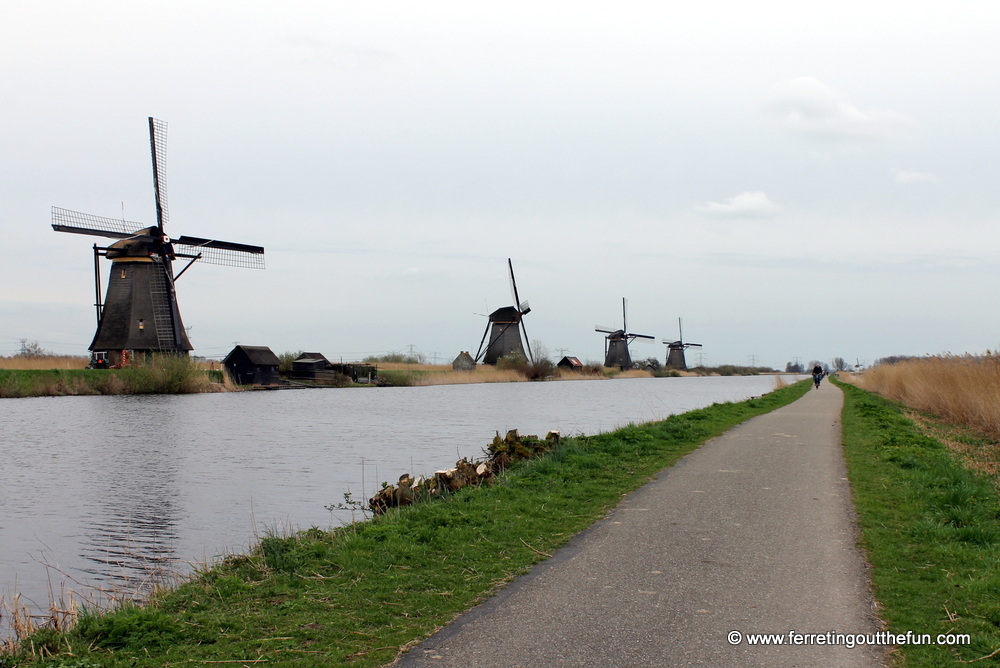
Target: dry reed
20, 363
634, 373
482, 374
401, 366
780, 383
960, 390
584, 374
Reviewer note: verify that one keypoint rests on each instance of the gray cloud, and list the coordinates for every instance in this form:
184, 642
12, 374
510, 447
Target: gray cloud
808, 107
916, 177
745, 205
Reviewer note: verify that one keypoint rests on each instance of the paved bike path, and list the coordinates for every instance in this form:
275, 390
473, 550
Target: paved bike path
753, 532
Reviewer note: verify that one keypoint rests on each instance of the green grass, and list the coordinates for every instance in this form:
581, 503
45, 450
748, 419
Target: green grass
355, 595
929, 527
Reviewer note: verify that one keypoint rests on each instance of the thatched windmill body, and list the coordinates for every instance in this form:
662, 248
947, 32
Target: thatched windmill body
504, 329
616, 343
675, 349
139, 314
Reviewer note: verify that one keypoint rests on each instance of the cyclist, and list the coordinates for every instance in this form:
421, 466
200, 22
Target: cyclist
818, 374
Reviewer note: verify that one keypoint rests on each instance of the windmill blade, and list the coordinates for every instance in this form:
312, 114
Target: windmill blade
524, 308
693, 345
158, 147
527, 344
513, 283
604, 330
64, 220
642, 336
225, 253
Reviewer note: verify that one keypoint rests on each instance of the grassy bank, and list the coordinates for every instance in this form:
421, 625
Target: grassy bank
164, 375
929, 526
357, 594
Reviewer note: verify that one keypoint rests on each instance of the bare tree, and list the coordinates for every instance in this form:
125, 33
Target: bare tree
31, 349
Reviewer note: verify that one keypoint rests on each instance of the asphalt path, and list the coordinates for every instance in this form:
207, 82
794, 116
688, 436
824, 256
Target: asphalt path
754, 532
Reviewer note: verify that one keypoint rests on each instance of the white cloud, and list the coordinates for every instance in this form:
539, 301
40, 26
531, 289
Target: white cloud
809, 107
744, 205
916, 177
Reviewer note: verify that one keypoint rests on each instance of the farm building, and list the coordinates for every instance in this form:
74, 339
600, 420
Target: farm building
252, 365
463, 362
570, 363
309, 366
316, 368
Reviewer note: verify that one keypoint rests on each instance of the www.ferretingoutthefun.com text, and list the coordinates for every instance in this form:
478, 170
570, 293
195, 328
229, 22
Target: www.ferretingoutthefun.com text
848, 640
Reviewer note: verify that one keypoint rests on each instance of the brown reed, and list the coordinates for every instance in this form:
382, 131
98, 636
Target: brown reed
962, 390
18, 362
482, 374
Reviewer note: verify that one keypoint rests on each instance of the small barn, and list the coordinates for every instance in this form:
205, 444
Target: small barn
464, 362
309, 366
570, 363
253, 365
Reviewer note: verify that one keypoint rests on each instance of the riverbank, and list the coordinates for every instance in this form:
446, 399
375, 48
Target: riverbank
929, 528
409, 375
166, 375
359, 593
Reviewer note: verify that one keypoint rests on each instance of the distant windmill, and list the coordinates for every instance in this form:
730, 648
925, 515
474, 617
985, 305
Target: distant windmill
675, 349
139, 315
617, 341
505, 327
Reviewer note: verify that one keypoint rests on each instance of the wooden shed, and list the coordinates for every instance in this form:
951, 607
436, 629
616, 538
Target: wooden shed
309, 366
253, 365
570, 363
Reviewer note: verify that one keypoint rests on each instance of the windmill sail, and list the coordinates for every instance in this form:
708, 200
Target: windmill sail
225, 253
64, 220
158, 149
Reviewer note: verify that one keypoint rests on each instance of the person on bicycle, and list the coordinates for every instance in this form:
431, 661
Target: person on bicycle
818, 374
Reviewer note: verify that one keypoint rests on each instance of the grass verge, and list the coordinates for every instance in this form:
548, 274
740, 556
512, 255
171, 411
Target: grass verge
356, 595
929, 526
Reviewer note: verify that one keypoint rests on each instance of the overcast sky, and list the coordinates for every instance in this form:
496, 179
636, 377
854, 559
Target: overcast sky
793, 179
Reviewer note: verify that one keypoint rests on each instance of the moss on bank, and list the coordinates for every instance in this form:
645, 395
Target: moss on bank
356, 595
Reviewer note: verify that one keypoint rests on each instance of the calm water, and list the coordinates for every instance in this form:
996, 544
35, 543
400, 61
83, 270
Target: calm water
104, 488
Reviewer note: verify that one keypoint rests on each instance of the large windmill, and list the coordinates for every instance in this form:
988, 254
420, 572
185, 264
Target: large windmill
139, 315
504, 329
675, 349
617, 341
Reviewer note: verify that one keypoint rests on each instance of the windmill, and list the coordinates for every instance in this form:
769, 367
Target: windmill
675, 349
139, 315
504, 329
617, 341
